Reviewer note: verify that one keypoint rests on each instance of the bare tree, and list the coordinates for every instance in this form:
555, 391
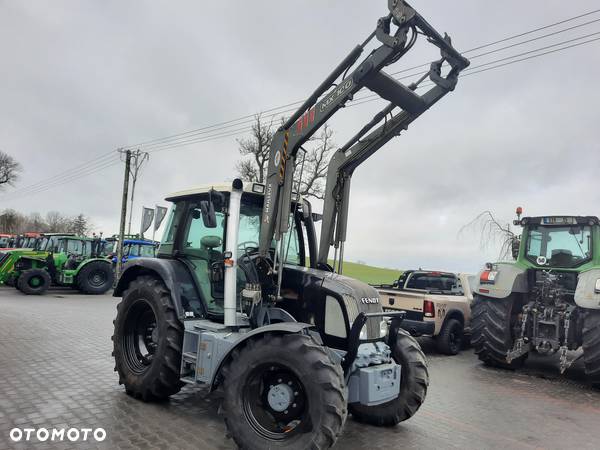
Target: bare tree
257, 148
316, 163
9, 169
11, 221
57, 222
256, 151
492, 232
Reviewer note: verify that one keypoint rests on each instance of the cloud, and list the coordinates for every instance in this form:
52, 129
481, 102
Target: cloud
84, 78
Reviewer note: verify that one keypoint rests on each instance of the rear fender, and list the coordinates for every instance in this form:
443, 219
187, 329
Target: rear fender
510, 278
176, 277
585, 294
277, 328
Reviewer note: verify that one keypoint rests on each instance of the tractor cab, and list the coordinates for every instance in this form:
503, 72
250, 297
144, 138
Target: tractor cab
6, 240
558, 242
133, 248
196, 234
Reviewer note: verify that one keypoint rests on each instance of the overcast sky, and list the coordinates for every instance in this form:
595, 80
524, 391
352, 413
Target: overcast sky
82, 78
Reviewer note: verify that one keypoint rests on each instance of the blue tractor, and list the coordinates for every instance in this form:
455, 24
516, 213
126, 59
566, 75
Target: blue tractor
134, 248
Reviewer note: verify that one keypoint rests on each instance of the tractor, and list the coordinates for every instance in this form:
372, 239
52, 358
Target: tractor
241, 296
134, 246
547, 301
60, 260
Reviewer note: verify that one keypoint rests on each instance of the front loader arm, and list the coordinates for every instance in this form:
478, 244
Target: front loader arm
329, 97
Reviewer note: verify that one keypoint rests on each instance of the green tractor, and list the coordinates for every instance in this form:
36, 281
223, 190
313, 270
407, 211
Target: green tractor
61, 260
547, 301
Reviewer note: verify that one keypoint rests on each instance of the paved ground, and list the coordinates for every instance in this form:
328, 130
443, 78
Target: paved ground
56, 371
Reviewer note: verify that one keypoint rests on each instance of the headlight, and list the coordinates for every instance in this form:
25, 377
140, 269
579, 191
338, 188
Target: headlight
384, 327
363, 334
597, 287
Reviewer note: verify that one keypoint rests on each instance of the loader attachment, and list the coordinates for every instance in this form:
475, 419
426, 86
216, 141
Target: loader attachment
396, 34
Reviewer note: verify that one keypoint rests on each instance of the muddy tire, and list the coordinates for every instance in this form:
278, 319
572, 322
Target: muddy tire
95, 278
147, 341
283, 392
591, 346
413, 386
34, 281
491, 328
450, 339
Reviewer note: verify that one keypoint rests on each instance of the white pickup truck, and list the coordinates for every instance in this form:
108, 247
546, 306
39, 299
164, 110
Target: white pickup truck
437, 304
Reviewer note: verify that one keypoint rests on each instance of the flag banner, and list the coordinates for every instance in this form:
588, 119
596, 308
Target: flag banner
147, 217
160, 214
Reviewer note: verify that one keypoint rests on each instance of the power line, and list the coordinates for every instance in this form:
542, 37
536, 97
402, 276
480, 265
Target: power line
232, 122
69, 171
371, 97
85, 172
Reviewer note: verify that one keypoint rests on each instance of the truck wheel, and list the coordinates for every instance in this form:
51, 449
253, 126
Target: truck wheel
450, 339
413, 386
147, 341
491, 329
284, 391
34, 281
96, 277
591, 346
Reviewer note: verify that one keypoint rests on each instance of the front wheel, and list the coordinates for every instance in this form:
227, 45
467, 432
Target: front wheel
284, 392
413, 386
492, 331
34, 281
147, 341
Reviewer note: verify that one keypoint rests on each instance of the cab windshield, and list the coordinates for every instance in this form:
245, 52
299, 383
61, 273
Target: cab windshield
568, 246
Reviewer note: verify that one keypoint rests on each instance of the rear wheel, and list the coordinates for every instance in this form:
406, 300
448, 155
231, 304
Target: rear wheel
450, 339
147, 341
492, 328
96, 277
591, 345
413, 386
284, 391
34, 281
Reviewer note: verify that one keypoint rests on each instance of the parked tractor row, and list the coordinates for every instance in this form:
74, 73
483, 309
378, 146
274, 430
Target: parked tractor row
66, 260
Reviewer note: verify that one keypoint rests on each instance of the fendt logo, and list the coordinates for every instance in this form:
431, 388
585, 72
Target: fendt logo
370, 300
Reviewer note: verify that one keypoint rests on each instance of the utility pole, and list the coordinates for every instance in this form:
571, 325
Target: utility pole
137, 159
123, 212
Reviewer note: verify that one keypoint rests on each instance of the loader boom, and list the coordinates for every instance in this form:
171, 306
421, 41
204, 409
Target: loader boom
333, 94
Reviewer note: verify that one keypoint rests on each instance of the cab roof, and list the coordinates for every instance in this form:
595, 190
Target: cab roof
250, 187
558, 220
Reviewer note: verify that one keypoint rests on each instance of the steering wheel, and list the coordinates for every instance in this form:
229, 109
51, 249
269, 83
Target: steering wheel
247, 244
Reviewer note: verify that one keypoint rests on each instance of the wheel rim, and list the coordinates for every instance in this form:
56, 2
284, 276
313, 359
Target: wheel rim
141, 336
275, 402
97, 278
35, 281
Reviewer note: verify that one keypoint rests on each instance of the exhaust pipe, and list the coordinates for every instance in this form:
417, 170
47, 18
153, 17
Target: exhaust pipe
233, 225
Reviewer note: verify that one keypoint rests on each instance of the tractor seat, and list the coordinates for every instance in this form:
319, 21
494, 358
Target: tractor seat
561, 257
211, 242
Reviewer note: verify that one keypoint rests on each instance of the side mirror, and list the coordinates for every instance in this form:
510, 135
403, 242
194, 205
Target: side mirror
515, 245
209, 218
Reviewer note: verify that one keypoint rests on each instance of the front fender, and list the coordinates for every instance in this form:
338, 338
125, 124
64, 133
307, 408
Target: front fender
585, 294
510, 278
282, 328
176, 277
